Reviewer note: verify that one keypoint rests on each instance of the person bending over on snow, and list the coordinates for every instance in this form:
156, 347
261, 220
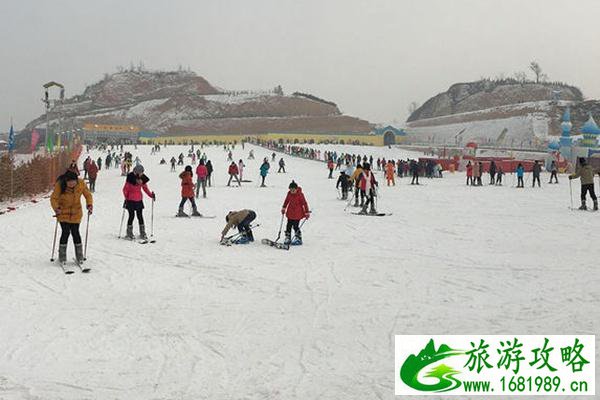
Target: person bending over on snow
295, 209
66, 203
344, 182
367, 186
242, 220
135, 182
586, 173
187, 192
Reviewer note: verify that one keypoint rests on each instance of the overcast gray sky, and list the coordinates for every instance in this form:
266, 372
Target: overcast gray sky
372, 57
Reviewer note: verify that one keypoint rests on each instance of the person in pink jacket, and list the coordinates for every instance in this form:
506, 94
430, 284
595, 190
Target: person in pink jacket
135, 182
201, 173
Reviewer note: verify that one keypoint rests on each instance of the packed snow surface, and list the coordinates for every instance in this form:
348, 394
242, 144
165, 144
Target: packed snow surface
186, 318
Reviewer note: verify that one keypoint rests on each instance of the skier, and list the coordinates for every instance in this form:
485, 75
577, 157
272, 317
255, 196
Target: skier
209, 169
389, 173
330, 166
66, 203
242, 220
414, 170
367, 186
281, 166
586, 173
187, 192
173, 162
476, 172
85, 166
99, 162
241, 166
295, 209
135, 182
553, 172
520, 172
201, 173
251, 155
230, 156
273, 157
92, 175
233, 173
356, 179
492, 172
499, 174
264, 170
344, 182
537, 169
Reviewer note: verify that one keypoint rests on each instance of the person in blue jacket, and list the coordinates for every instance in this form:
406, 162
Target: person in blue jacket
264, 170
520, 173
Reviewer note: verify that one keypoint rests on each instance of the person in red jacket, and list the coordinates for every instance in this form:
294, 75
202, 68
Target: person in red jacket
135, 182
92, 171
201, 173
187, 192
295, 209
330, 166
233, 173
367, 186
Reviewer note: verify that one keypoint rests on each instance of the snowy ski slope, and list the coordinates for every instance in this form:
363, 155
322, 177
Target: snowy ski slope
186, 318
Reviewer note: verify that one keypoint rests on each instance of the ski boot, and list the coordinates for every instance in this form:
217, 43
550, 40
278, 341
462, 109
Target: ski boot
129, 234
79, 253
355, 201
288, 239
195, 213
595, 205
243, 239
297, 239
181, 213
363, 211
372, 210
249, 235
143, 235
62, 253
583, 206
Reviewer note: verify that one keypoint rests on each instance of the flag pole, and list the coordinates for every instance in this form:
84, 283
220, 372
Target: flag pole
12, 162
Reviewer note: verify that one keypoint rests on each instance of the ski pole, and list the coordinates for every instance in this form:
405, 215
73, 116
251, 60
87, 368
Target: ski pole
87, 229
152, 220
350, 201
571, 193
121, 226
54, 240
280, 227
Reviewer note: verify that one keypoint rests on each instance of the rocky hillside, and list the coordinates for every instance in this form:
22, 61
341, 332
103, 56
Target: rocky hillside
177, 103
485, 94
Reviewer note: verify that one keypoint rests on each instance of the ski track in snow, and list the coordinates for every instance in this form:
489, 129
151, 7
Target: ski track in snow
186, 318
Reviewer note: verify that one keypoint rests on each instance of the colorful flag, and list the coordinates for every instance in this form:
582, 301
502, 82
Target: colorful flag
35, 137
58, 141
49, 141
11, 138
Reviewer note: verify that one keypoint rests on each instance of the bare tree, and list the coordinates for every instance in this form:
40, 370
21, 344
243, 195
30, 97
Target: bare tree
521, 76
537, 70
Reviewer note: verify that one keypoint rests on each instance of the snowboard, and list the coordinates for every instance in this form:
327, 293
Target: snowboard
275, 244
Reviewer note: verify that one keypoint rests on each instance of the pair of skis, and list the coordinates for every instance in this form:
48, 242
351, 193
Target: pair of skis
276, 243
231, 240
68, 269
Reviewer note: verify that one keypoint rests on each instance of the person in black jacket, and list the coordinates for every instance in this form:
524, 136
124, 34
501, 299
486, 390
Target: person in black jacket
537, 168
414, 170
492, 173
209, 168
344, 182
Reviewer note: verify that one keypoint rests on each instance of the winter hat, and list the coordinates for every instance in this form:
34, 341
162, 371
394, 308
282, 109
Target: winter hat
138, 169
70, 176
367, 166
188, 168
293, 185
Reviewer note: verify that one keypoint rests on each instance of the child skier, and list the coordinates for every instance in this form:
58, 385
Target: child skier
389, 173
135, 182
344, 182
586, 173
520, 173
187, 192
295, 209
242, 220
66, 203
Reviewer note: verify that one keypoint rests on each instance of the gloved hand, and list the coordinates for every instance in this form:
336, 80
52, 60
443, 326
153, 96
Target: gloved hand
283, 211
153, 196
307, 215
570, 177
90, 208
124, 203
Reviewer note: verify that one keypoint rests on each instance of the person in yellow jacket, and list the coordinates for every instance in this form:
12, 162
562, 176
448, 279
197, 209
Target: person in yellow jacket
66, 203
356, 175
